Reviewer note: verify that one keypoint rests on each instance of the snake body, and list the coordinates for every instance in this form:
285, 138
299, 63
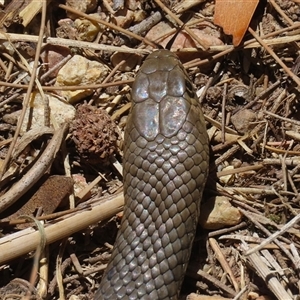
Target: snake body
164, 169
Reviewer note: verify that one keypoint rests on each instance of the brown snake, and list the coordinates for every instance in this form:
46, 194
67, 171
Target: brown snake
165, 169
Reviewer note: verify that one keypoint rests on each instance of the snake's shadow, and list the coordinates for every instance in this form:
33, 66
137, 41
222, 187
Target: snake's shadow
201, 255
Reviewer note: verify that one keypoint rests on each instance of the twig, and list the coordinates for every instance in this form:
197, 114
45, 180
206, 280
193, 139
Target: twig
227, 154
279, 10
279, 61
212, 78
70, 43
217, 283
85, 273
265, 273
20, 243
69, 88
282, 118
227, 49
240, 170
180, 23
27, 96
107, 24
241, 292
220, 257
36, 172
225, 230
59, 277
275, 235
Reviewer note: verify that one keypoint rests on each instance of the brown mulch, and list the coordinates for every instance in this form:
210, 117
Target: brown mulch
249, 95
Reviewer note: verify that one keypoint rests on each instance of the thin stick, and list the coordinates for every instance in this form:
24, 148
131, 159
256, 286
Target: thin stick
220, 257
274, 55
274, 236
70, 43
27, 96
267, 275
36, 172
180, 23
104, 209
109, 25
69, 88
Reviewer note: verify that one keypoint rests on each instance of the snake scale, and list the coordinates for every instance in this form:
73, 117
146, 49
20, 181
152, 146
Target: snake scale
166, 157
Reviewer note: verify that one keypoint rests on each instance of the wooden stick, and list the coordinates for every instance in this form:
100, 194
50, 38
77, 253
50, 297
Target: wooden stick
36, 172
27, 240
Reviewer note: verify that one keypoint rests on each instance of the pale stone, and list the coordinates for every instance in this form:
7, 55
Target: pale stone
244, 120
227, 179
218, 213
80, 185
60, 113
80, 71
86, 30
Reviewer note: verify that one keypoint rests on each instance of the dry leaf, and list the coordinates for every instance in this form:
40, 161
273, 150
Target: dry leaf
234, 17
51, 193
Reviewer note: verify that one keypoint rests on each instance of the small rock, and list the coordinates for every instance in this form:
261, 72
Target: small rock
80, 71
218, 212
60, 111
52, 55
227, 179
139, 16
243, 120
79, 185
214, 95
86, 30
123, 18
85, 6
66, 29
